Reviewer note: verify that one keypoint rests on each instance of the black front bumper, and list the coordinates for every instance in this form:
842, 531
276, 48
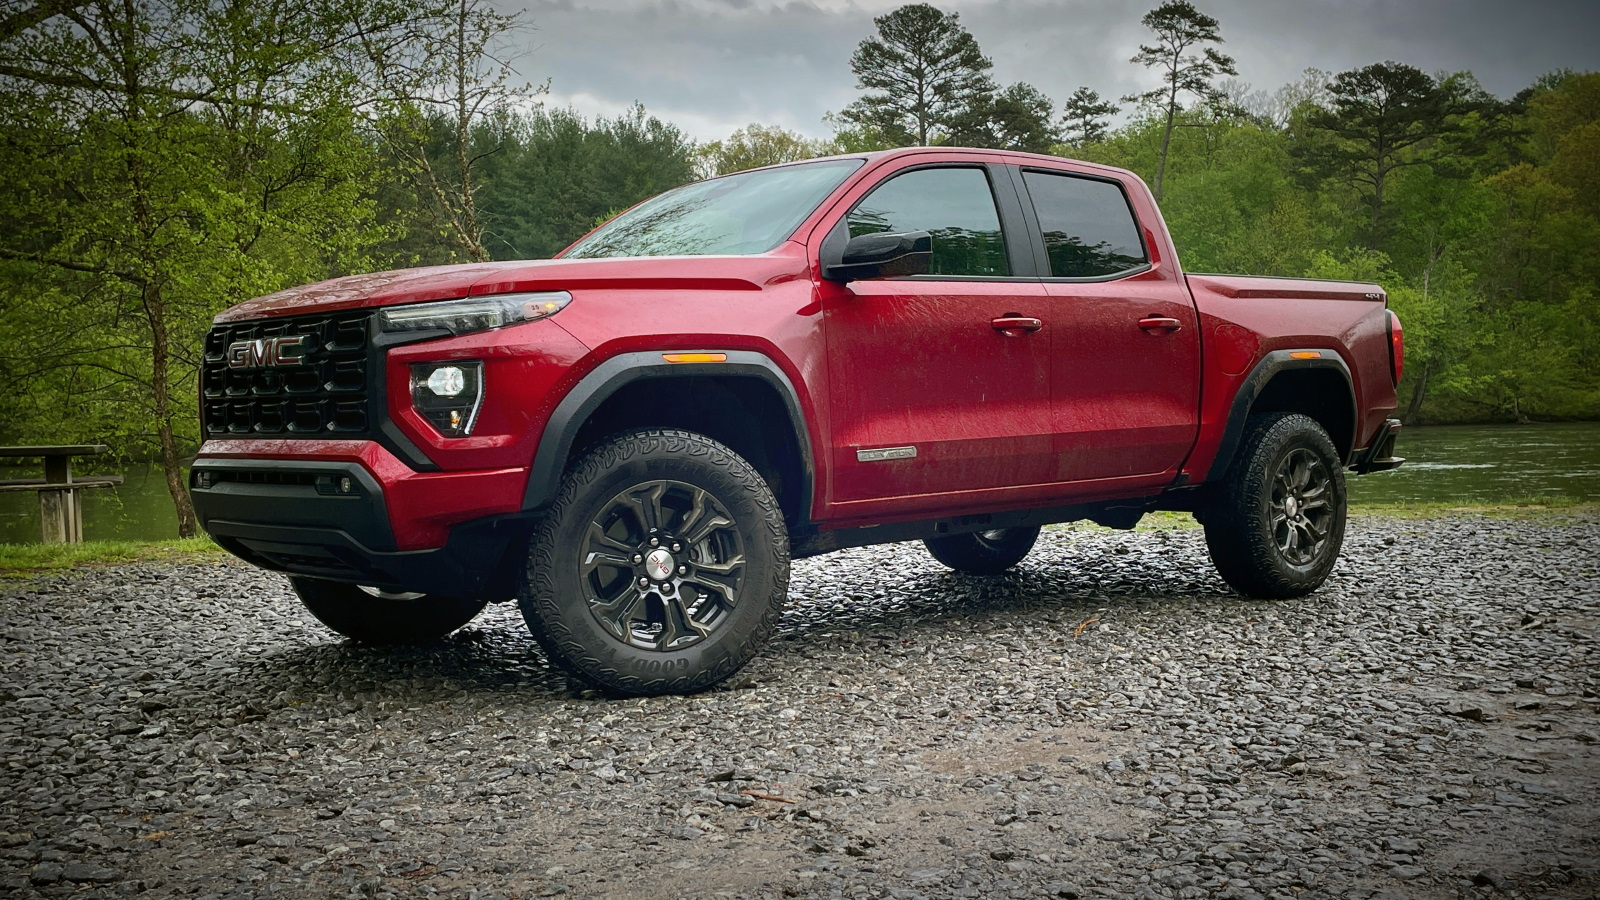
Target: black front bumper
328, 520
1379, 455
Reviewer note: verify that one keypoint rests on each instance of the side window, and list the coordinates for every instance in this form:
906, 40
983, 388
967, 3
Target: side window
1089, 231
954, 205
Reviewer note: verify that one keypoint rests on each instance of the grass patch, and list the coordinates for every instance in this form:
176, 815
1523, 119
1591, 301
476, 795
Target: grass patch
1508, 507
20, 559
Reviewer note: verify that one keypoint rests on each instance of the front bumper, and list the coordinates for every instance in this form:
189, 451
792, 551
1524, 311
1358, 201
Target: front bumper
1379, 455
332, 519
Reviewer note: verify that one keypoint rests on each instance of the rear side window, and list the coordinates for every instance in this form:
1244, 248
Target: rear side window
955, 206
1089, 231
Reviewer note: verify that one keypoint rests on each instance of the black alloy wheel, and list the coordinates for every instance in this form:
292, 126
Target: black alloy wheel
661, 566
1276, 521
1301, 516
664, 565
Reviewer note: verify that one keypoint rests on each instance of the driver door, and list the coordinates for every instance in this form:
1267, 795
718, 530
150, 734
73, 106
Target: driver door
934, 389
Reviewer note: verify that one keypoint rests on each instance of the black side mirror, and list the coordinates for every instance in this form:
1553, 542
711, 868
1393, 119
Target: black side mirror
883, 255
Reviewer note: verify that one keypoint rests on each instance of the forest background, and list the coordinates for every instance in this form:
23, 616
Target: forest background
162, 160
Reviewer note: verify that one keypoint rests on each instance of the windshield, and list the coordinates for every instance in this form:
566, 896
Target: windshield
737, 214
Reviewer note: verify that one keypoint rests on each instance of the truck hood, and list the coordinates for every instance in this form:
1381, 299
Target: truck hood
705, 273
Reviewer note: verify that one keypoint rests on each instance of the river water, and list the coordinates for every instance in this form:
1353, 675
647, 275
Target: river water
1444, 464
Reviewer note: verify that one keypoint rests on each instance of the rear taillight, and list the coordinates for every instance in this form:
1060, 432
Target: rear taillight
1397, 347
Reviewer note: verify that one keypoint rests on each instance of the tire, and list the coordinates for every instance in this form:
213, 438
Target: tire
661, 567
983, 552
385, 621
1275, 529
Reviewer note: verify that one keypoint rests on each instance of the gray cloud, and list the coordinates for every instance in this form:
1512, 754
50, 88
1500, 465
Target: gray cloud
715, 65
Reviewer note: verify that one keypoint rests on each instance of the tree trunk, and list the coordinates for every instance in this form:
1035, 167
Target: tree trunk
1418, 389
171, 464
1166, 141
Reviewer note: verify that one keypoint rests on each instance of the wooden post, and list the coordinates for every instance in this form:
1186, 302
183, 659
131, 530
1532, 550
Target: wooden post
60, 518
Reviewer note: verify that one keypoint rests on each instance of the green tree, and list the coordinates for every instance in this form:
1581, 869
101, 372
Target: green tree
920, 72
431, 95
1017, 118
1085, 119
1180, 28
757, 145
1383, 118
201, 153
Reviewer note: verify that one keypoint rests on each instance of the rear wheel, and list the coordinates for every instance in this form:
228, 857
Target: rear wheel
983, 552
370, 616
661, 567
1276, 527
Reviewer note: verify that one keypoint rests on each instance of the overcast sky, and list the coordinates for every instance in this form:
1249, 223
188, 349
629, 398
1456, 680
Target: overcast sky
711, 66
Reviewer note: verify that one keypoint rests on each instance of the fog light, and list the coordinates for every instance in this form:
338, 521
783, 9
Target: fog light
345, 485
448, 395
203, 480
447, 381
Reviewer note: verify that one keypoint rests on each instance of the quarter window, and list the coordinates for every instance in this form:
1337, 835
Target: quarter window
954, 205
1089, 231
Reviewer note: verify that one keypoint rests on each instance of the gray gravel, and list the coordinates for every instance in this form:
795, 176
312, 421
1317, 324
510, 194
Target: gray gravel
1106, 721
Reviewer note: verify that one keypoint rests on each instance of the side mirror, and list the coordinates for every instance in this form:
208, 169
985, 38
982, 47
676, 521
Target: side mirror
883, 255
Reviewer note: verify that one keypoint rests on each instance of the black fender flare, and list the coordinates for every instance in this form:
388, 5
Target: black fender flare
1270, 366
555, 444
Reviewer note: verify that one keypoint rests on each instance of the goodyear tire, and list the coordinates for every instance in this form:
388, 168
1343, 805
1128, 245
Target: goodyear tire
370, 617
661, 567
983, 552
1275, 528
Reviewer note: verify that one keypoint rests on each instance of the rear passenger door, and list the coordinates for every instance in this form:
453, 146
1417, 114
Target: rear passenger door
1125, 349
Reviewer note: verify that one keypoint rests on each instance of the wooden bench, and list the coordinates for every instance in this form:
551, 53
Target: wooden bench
60, 507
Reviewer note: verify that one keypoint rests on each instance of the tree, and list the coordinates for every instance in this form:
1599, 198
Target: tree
1382, 118
1085, 117
1017, 118
757, 145
920, 72
1179, 27
201, 153
431, 95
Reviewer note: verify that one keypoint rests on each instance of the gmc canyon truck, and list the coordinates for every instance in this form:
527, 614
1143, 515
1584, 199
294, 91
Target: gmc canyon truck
634, 439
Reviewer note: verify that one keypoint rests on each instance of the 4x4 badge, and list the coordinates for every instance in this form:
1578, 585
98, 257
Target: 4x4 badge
273, 351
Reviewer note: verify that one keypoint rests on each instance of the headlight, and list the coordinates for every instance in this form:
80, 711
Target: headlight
473, 313
448, 395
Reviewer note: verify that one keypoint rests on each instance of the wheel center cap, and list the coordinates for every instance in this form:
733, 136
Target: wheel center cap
658, 564
1291, 506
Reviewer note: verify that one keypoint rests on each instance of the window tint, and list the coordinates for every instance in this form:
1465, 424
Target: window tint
954, 205
1088, 228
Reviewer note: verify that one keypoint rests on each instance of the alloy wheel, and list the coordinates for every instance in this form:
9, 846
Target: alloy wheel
663, 564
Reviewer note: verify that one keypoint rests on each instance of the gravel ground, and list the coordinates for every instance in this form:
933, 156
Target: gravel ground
1107, 720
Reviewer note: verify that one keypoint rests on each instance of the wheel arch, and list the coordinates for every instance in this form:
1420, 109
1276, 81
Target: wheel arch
745, 402
1316, 386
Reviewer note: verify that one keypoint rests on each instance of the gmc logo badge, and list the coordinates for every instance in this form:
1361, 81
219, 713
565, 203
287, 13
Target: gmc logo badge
262, 352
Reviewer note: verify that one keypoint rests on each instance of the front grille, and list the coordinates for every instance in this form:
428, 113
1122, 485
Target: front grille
327, 394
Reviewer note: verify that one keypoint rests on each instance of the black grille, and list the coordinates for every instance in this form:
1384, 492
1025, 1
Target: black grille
327, 394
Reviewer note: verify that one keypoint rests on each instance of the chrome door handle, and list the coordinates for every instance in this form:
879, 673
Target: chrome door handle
1013, 326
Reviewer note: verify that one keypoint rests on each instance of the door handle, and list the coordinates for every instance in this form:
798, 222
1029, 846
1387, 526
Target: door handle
1012, 326
1160, 323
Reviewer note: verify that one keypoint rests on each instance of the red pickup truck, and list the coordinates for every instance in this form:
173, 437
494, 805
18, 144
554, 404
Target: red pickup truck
635, 438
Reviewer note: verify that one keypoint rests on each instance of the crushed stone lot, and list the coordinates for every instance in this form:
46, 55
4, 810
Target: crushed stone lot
1105, 721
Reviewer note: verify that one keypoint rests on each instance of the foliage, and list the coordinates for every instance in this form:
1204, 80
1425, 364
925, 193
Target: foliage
921, 72
1180, 28
758, 145
1085, 119
1017, 118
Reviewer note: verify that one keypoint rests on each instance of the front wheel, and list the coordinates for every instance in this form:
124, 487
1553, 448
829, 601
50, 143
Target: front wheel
369, 616
983, 552
661, 567
1275, 528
